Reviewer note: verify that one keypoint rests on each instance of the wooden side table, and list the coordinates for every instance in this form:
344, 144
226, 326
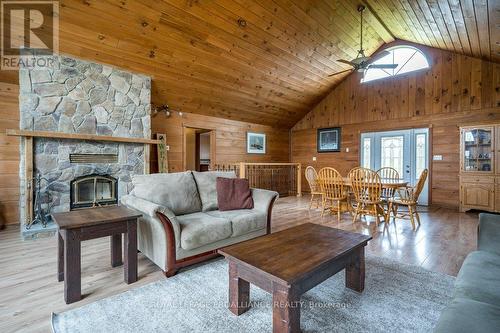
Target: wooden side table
79, 225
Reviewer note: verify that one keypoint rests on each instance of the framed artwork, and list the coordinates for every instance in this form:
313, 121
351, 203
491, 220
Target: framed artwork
256, 143
328, 140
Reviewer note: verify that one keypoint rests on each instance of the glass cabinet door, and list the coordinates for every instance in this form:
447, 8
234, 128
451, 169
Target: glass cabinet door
477, 149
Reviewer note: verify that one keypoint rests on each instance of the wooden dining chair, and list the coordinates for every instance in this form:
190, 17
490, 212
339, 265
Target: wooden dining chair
312, 180
367, 189
408, 196
389, 174
334, 192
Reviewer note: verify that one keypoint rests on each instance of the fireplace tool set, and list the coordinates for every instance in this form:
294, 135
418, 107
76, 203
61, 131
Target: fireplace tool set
40, 216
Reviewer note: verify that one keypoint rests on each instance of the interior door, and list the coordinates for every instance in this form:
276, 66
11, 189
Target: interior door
407, 151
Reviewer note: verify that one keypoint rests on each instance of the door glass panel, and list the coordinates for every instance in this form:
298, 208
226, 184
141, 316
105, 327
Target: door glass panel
392, 152
477, 150
367, 143
420, 154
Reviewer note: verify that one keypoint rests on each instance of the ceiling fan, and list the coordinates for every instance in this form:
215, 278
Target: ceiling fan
361, 63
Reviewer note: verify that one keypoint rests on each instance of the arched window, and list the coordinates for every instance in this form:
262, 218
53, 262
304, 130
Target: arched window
407, 57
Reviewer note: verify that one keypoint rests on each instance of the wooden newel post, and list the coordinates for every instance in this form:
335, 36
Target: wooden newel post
242, 170
299, 180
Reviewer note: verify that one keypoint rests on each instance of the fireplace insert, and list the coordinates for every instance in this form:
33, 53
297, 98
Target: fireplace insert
93, 191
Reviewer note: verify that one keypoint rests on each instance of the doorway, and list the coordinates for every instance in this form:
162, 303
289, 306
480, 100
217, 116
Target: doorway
407, 151
198, 148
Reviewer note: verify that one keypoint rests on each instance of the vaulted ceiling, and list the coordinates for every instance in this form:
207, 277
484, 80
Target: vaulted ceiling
262, 61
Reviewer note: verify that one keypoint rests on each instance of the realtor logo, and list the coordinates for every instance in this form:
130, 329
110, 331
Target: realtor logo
28, 28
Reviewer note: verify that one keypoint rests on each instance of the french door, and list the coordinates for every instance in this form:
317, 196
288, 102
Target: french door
407, 151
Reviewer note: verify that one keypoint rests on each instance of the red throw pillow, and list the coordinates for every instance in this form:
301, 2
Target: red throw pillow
233, 193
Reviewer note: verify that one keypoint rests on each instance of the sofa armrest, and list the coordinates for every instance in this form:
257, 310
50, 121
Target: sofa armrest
488, 238
263, 198
152, 209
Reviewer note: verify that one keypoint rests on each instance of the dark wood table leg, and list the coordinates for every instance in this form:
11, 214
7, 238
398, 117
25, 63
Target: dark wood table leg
116, 250
60, 257
239, 291
286, 309
355, 271
72, 267
130, 265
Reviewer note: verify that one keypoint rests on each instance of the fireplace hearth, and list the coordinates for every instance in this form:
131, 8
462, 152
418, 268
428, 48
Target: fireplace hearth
93, 191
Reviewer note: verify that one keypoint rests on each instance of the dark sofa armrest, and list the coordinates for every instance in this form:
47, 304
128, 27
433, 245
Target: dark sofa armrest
488, 238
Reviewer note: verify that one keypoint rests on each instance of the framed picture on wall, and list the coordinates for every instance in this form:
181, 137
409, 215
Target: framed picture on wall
256, 143
328, 140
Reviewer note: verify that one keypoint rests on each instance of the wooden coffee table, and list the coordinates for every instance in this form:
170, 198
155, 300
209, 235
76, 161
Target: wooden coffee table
289, 263
85, 224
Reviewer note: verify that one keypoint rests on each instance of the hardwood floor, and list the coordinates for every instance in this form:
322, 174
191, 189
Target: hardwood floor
29, 290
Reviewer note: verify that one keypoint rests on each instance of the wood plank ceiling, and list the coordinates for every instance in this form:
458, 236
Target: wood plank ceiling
470, 27
261, 61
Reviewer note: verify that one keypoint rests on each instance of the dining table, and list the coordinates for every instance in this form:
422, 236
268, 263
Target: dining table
387, 183
391, 184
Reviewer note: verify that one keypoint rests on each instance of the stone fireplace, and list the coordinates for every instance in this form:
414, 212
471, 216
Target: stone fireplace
80, 97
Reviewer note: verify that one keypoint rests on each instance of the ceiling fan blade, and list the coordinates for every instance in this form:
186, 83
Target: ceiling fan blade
347, 70
384, 66
378, 56
346, 62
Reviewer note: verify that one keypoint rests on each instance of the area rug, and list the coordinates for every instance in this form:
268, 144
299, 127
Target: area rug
397, 298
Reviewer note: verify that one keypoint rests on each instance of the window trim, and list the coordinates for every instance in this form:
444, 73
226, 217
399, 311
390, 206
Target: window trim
427, 58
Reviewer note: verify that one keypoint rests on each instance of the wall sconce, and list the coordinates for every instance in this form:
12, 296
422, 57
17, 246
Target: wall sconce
164, 108
161, 108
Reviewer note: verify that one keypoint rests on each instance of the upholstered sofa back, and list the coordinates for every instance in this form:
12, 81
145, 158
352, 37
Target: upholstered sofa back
207, 188
182, 192
176, 191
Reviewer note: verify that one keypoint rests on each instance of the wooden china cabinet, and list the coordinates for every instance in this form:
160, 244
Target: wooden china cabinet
480, 168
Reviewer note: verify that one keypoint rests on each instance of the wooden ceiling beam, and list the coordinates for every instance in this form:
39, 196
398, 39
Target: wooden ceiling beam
378, 24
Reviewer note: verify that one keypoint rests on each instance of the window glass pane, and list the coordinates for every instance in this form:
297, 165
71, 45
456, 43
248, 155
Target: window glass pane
420, 155
367, 143
374, 74
418, 61
407, 58
402, 56
392, 152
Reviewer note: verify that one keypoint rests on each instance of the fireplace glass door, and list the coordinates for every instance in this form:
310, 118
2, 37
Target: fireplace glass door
93, 191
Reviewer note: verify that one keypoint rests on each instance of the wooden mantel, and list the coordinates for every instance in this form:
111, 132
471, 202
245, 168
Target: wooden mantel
78, 136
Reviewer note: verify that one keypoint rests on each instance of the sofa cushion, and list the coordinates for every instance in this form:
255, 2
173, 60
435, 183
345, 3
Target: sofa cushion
243, 220
233, 194
176, 191
465, 316
479, 278
200, 229
206, 182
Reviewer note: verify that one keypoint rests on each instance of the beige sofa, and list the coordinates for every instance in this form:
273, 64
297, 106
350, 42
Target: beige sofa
181, 224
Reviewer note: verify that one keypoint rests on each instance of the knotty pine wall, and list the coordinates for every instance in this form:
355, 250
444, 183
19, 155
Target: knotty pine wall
9, 154
457, 90
230, 146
